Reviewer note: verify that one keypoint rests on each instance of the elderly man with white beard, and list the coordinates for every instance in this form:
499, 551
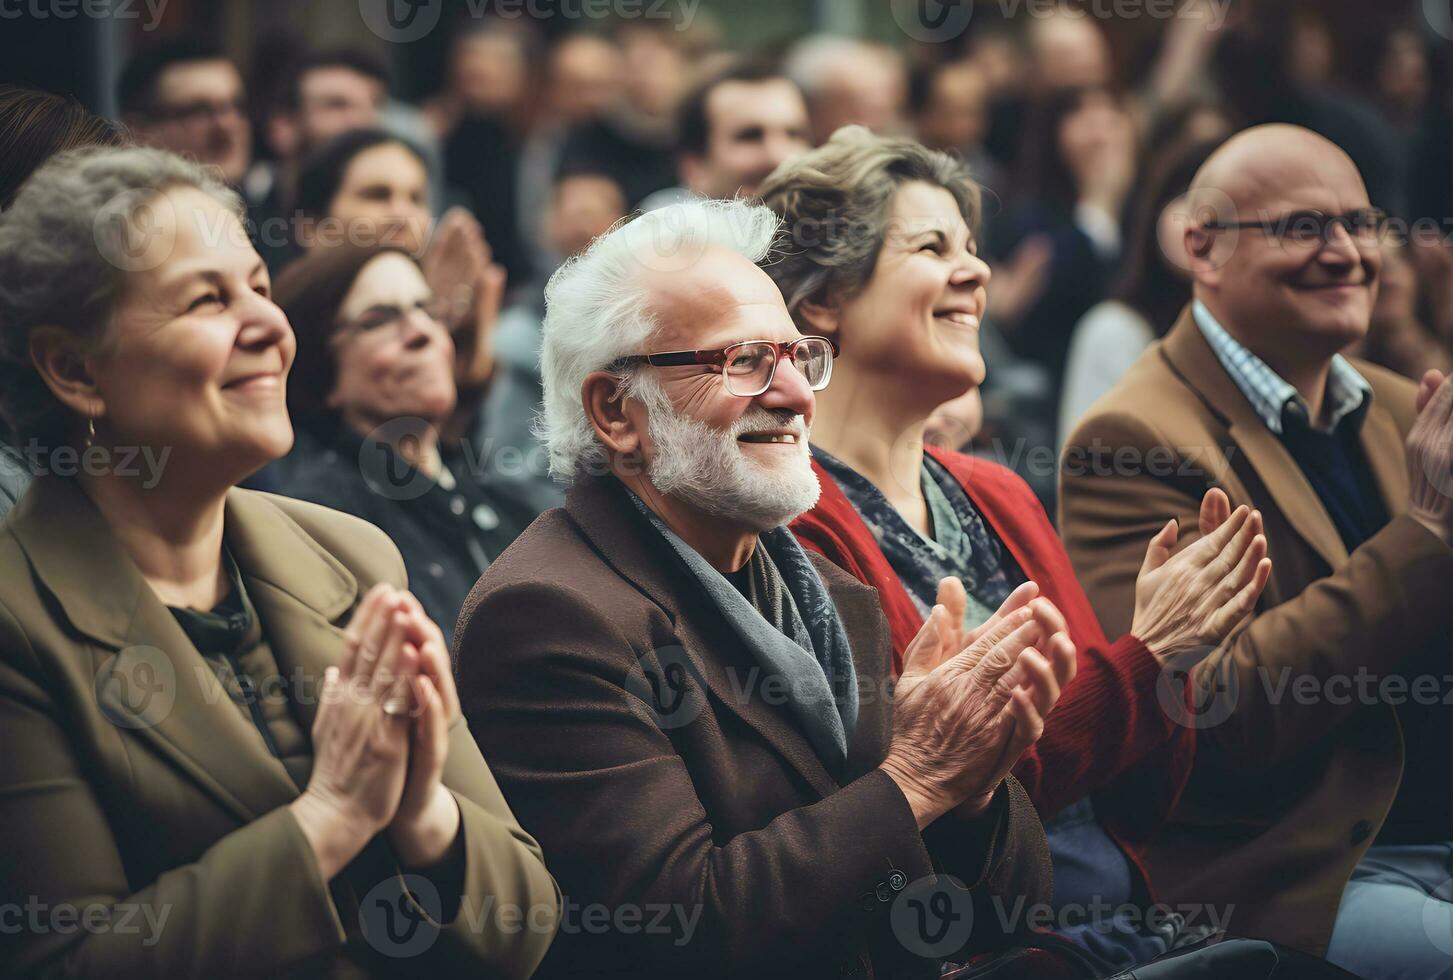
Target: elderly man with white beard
695, 717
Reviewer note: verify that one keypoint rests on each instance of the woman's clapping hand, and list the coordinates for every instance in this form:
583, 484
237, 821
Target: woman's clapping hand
380, 738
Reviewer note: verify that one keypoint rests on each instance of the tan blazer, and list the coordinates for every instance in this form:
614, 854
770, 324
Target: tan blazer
1288, 792
129, 780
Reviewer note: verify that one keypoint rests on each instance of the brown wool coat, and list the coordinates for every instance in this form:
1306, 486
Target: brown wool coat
724, 812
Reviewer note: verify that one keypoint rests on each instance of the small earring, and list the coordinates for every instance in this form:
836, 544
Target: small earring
90, 431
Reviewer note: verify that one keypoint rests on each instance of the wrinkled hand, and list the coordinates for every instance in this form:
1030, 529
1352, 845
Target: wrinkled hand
1430, 457
961, 720
948, 630
1192, 600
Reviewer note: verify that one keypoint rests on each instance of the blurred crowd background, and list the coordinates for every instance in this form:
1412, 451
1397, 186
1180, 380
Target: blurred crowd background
548, 120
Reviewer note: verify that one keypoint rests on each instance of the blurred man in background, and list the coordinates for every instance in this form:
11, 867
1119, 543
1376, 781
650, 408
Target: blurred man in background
849, 81
735, 128
186, 96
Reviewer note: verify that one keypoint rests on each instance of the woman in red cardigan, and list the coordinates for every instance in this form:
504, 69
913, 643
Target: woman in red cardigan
881, 255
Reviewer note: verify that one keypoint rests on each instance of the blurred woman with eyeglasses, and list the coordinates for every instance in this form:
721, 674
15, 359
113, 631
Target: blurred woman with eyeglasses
374, 381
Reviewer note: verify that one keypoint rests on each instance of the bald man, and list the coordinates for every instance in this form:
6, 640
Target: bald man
1319, 807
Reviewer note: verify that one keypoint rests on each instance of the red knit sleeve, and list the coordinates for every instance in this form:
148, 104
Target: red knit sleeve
1109, 729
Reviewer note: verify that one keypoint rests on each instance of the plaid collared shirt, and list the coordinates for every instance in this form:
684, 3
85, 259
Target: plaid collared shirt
1348, 393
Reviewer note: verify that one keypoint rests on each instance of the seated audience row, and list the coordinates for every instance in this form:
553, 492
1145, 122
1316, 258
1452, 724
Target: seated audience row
768, 625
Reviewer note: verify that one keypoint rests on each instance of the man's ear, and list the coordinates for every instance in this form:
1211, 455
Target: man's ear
819, 318
605, 407
61, 362
1200, 248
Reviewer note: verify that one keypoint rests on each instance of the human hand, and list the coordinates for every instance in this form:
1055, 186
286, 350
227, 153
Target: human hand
1194, 599
461, 270
360, 736
961, 722
427, 819
1430, 457
943, 634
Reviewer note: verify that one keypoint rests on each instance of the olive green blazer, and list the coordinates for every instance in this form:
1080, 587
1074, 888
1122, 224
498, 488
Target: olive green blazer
145, 826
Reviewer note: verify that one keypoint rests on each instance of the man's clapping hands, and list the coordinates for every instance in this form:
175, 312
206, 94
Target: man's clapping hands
969, 703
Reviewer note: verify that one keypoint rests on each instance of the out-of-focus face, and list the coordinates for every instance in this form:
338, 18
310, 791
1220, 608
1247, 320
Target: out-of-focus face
868, 91
1402, 77
198, 354
394, 359
583, 208
489, 73
335, 99
915, 326
957, 114
585, 78
200, 111
655, 71
1068, 52
1095, 122
383, 199
1293, 295
752, 127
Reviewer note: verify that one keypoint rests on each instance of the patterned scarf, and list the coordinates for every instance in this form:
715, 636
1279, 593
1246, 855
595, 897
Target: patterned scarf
811, 654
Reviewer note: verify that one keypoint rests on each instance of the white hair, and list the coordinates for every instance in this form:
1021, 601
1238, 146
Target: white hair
597, 307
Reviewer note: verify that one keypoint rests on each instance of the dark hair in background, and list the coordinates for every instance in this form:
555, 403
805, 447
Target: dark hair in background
323, 170
136, 90
584, 168
1047, 177
694, 133
311, 291
1148, 284
289, 95
35, 126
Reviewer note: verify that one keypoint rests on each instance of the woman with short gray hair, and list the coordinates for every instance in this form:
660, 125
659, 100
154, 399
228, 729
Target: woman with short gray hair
230, 732
881, 255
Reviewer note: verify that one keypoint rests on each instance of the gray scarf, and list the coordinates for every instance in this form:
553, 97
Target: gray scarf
816, 662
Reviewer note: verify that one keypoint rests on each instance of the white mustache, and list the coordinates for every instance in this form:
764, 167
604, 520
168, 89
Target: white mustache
757, 419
